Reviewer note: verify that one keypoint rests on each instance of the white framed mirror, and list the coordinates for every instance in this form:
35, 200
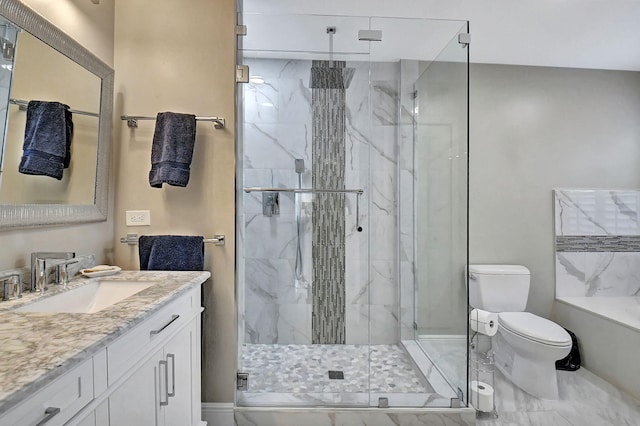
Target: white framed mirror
45, 64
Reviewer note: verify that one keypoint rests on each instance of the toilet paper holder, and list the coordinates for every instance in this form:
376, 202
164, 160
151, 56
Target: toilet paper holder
481, 385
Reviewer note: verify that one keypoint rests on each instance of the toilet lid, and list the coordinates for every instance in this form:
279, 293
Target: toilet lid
535, 328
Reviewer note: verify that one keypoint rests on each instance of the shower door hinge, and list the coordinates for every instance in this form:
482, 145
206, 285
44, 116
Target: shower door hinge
242, 381
464, 39
242, 73
241, 30
415, 94
415, 325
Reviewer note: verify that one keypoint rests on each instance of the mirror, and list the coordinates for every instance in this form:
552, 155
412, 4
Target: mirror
45, 64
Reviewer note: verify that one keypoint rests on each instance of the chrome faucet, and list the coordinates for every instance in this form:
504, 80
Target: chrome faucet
11, 285
39, 277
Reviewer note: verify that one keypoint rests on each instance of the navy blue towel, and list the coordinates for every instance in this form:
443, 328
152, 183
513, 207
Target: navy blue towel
172, 149
47, 139
171, 253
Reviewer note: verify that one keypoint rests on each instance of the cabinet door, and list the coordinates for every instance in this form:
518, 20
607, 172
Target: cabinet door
137, 401
178, 353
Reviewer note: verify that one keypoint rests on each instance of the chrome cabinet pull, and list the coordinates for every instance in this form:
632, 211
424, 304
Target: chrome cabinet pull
49, 413
173, 374
161, 329
166, 384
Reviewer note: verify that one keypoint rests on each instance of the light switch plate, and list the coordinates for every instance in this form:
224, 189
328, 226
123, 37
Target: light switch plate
138, 218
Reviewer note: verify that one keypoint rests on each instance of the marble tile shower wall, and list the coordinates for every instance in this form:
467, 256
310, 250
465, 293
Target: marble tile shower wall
277, 130
597, 243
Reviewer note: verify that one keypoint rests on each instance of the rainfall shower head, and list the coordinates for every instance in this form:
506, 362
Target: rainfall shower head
325, 77
330, 74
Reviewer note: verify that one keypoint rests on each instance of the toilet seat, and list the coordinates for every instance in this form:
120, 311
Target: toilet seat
534, 328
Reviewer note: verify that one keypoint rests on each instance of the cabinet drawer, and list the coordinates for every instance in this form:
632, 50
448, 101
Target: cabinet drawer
57, 402
125, 351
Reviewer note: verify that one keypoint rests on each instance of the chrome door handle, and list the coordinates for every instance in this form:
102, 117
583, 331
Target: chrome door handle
173, 375
49, 413
166, 384
161, 329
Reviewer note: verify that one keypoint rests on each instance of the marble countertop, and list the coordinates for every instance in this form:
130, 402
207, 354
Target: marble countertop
36, 348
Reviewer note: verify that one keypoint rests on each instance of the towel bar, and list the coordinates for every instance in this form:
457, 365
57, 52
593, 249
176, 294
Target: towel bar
303, 190
23, 107
132, 239
132, 120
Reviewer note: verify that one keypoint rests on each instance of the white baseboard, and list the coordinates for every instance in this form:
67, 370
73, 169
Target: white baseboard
218, 413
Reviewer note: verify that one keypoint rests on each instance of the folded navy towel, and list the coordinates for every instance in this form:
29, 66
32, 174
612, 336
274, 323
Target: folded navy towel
172, 149
47, 139
171, 253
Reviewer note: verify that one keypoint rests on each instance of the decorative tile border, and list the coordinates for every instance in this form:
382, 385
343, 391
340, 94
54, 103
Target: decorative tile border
598, 243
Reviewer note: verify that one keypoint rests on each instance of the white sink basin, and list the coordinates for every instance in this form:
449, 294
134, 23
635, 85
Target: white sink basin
90, 298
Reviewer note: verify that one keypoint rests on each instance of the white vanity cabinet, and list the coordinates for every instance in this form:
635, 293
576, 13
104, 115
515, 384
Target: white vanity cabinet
148, 375
154, 370
161, 391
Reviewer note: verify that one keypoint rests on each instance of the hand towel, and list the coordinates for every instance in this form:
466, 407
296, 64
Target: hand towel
47, 139
171, 253
172, 149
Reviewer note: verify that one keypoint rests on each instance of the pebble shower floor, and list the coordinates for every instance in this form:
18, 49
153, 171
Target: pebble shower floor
305, 369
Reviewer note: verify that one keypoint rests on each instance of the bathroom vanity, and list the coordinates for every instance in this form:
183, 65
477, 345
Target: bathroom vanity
136, 361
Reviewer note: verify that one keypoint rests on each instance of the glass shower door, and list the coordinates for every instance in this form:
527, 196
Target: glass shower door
303, 299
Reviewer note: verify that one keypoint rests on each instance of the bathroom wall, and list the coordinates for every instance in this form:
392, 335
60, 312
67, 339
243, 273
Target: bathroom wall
277, 129
179, 56
92, 26
534, 129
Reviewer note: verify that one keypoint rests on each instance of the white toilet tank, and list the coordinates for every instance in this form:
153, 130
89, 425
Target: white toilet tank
499, 288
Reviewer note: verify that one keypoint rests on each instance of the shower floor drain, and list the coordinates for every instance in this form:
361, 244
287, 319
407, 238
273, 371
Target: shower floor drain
336, 374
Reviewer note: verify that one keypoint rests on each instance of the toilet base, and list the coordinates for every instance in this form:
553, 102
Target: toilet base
534, 377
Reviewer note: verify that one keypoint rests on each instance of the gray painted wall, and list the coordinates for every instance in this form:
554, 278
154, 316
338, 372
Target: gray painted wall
534, 129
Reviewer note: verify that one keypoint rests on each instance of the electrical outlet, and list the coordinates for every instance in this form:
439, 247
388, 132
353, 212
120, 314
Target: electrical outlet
138, 218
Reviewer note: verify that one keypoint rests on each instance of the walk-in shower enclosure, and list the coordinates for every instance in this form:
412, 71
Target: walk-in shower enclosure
352, 212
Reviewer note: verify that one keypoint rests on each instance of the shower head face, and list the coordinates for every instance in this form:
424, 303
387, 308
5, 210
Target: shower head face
330, 78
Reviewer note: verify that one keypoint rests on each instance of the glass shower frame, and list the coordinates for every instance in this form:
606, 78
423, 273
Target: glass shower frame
369, 301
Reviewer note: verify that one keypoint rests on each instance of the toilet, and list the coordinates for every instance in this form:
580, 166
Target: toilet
526, 346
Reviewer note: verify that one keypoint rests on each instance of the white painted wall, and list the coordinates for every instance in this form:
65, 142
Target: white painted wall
534, 129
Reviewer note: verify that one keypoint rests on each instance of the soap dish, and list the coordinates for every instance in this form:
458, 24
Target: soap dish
100, 271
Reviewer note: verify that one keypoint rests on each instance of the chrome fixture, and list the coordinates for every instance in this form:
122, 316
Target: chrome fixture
370, 35
249, 189
132, 120
330, 75
270, 203
132, 239
62, 274
299, 165
11, 285
39, 277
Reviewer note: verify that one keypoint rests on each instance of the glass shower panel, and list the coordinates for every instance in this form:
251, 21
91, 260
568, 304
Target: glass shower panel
441, 211
400, 83
303, 188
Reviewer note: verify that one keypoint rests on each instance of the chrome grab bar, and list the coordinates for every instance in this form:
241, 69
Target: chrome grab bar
303, 190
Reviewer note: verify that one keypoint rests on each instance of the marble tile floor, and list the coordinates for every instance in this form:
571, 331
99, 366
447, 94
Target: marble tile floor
585, 399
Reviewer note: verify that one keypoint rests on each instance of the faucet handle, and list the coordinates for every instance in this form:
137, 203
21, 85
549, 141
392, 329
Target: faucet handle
62, 274
12, 287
